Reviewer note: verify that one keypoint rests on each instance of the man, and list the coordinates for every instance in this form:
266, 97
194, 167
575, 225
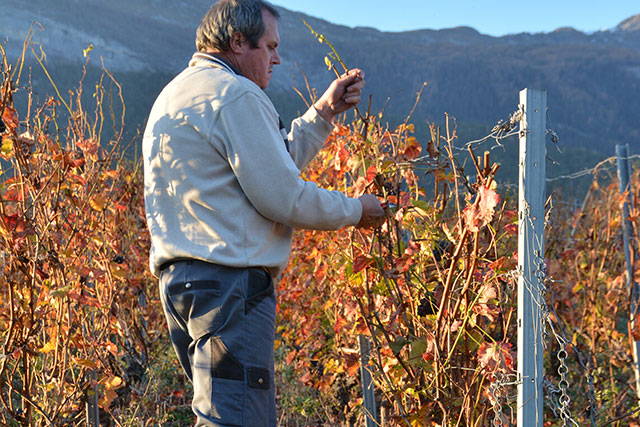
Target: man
222, 194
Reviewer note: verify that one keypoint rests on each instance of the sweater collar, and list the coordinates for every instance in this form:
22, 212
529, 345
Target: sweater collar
213, 59
217, 61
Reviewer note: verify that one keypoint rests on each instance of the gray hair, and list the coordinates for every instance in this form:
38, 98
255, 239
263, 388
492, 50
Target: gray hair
229, 16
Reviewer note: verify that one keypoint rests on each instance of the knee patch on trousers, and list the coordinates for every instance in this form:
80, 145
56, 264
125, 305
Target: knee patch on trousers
223, 363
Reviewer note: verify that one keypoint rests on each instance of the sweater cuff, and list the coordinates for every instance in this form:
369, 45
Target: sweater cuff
357, 207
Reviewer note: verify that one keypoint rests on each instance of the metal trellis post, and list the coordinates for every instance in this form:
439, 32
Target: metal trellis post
368, 392
92, 411
530, 250
624, 178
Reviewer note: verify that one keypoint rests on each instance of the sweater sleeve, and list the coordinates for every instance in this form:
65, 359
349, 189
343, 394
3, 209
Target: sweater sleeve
268, 175
307, 136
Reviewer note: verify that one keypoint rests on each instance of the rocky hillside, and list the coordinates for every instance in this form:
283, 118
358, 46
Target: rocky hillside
593, 80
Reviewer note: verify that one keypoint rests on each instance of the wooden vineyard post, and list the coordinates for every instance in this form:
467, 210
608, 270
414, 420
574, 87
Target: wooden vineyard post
531, 256
624, 178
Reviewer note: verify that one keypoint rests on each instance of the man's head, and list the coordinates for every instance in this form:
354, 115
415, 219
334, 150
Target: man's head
245, 32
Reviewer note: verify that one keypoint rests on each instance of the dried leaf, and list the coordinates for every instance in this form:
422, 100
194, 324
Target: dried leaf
107, 398
10, 119
487, 305
495, 357
88, 146
340, 324
361, 262
634, 328
87, 363
431, 149
372, 173
480, 213
73, 159
413, 148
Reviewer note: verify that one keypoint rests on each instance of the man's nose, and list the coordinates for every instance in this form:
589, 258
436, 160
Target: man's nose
276, 58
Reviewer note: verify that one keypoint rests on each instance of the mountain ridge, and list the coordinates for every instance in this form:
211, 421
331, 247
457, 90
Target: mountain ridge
66, 29
592, 79
630, 24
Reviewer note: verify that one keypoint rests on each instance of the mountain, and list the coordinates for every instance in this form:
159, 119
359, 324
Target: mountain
630, 24
592, 79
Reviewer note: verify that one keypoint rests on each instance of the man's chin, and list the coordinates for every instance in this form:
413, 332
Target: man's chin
266, 84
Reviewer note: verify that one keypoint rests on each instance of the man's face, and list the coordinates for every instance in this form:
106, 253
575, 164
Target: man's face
256, 64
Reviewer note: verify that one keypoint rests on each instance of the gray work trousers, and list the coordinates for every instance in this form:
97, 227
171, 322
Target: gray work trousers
222, 325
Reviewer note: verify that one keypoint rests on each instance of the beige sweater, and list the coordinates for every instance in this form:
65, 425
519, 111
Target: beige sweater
220, 185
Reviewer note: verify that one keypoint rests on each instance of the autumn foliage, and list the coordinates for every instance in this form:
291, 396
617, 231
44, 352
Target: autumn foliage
78, 315
433, 288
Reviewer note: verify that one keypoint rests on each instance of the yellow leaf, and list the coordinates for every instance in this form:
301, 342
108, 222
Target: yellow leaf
117, 271
68, 253
49, 347
327, 62
7, 147
98, 203
86, 51
86, 363
113, 383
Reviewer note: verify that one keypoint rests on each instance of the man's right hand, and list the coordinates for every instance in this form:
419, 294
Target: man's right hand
343, 93
372, 211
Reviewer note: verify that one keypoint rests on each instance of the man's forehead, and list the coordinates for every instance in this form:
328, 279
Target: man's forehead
271, 27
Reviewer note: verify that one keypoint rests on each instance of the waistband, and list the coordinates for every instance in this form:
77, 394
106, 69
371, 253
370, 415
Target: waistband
174, 261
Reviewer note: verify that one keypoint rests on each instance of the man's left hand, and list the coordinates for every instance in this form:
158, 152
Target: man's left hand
343, 93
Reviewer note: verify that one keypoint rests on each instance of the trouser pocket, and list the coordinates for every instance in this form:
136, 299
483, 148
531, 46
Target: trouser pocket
229, 315
260, 286
197, 303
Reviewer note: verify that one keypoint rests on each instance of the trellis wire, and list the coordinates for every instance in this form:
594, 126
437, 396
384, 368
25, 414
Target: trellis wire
590, 171
624, 178
534, 286
562, 408
557, 396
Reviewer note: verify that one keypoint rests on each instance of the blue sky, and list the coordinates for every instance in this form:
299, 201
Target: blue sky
494, 17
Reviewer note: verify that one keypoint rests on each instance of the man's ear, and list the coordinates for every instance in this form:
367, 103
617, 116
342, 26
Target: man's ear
237, 39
